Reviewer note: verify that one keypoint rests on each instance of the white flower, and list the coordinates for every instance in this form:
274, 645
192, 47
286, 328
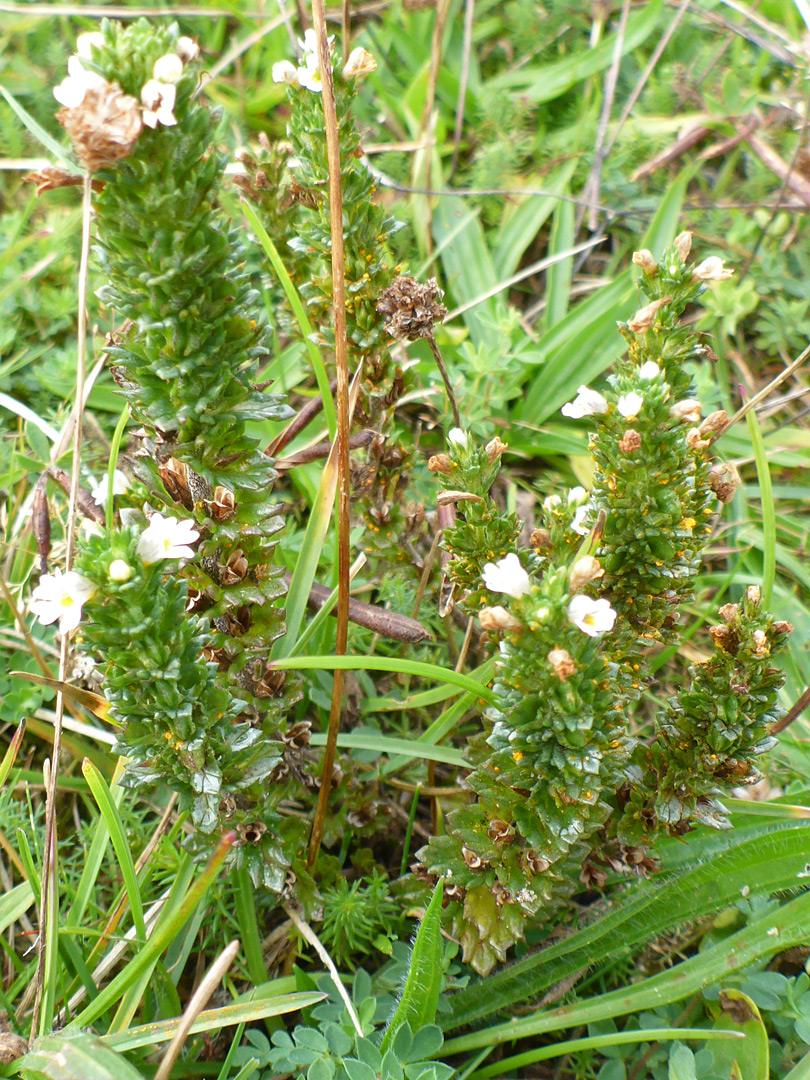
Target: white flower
60, 596
120, 571
577, 495
359, 63
85, 43
158, 100
593, 617
507, 576
285, 72
309, 76
648, 370
166, 538
630, 404
99, 491
457, 437
578, 523
586, 403
550, 502
187, 49
711, 269
168, 68
70, 91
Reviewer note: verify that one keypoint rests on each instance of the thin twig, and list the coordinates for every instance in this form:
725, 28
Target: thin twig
451, 397
592, 184
426, 122
308, 934
761, 394
792, 713
49, 850
198, 1001
342, 409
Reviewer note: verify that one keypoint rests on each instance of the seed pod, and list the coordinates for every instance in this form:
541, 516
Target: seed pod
41, 521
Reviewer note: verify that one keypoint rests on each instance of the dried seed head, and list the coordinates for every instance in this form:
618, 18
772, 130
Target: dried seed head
473, 861
728, 613
252, 832
724, 480
760, 643
498, 618
583, 571
52, 177
540, 539
721, 635
711, 269
11, 1047
753, 594
104, 127
360, 63
694, 441
630, 441
645, 260
781, 626
234, 569
500, 832
411, 309
494, 449
534, 863
645, 317
299, 735
714, 422
440, 463
688, 410
223, 504
563, 663
683, 245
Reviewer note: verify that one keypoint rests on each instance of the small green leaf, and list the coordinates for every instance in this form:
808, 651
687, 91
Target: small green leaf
420, 996
681, 1063
82, 1058
749, 1056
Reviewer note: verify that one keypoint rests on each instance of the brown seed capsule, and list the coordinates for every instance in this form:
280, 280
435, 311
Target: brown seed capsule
721, 635
494, 449
683, 245
105, 127
500, 894
630, 441
11, 1047
724, 480
645, 260
782, 626
728, 612
540, 539
440, 463
535, 863
41, 520
473, 861
694, 441
500, 832
753, 594
252, 832
223, 504
714, 422
645, 317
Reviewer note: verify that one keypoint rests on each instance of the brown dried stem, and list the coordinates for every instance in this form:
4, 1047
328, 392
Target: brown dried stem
342, 408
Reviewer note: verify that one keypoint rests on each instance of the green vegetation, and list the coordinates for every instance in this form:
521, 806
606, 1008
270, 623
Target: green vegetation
532, 800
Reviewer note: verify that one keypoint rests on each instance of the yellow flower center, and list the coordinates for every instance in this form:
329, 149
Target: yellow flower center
67, 600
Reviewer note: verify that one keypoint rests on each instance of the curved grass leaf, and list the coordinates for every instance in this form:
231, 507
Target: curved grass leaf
766, 859
84, 1057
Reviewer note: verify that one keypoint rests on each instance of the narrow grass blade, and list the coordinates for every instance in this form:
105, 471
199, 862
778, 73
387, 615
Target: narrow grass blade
10, 755
115, 448
40, 134
387, 663
162, 937
771, 933
294, 301
109, 811
384, 744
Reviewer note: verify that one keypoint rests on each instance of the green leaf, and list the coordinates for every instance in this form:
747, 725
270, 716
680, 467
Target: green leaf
420, 997
682, 1063
549, 81
751, 1055
84, 1057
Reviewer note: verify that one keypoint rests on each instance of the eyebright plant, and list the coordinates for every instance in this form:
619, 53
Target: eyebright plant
184, 595
562, 789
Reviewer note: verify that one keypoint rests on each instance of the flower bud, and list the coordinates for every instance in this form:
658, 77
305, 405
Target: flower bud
498, 618
683, 245
457, 437
563, 663
760, 643
630, 441
688, 410
720, 635
714, 422
168, 68
494, 449
440, 463
120, 571
753, 594
645, 260
584, 571
285, 72
645, 317
724, 480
